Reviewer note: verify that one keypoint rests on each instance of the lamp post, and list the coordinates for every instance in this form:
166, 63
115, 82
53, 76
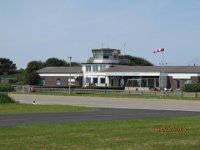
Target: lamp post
69, 81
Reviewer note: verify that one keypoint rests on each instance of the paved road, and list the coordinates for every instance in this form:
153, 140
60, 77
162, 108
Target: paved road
101, 114
105, 102
108, 109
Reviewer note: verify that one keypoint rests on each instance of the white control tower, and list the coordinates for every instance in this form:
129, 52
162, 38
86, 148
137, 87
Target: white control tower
106, 55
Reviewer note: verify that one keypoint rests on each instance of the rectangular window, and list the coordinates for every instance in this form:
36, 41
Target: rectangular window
106, 57
58, 82
95, 80
102, 67
188, 82
103, 80
88, 80
177, 84
88, 68
42, 82
95, 68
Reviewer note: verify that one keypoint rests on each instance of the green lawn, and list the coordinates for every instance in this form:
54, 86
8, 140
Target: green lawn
138, 95
29, 108
121, 135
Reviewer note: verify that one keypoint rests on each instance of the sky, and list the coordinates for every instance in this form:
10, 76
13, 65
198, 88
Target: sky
41, 29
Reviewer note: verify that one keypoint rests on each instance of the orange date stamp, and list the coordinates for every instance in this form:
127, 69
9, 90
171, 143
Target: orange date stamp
166, 129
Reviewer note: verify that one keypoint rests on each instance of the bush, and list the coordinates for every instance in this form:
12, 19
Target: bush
6, 88
104, 87
4, 98
192, 88
61, 87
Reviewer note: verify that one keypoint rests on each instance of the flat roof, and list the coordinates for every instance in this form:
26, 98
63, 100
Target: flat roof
167, 69
60, 70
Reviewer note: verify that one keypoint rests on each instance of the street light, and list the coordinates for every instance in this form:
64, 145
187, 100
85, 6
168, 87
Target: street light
69, 81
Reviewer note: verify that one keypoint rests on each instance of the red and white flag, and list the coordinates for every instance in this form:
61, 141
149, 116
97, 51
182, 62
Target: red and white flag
159, 50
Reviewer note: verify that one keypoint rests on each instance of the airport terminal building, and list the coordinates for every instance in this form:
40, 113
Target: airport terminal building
104, 69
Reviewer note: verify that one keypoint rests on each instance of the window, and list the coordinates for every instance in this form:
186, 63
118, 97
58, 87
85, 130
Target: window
58, 82
98, 54
88, 80
95, 68
95, 80
103, 80
106, 57
177, 84
88, 68
188, 82
42, 82
102, 67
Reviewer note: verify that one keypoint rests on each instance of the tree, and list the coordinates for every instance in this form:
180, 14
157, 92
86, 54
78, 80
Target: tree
21, 76
55, 62
134, 61
75, 64
7, 66
32, 76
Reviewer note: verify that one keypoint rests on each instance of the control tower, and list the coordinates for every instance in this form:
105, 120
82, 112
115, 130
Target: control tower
106, 55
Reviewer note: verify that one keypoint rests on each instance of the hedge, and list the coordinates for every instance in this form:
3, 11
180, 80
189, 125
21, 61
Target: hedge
88, 87
104, 87
4, 98
192, 88
6, 88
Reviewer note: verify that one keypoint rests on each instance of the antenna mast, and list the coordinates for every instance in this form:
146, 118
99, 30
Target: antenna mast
124, 47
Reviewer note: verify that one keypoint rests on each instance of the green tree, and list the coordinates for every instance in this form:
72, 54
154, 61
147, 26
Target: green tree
7, 66
32, 76
75, 64
21, 76
134, 61
55, 62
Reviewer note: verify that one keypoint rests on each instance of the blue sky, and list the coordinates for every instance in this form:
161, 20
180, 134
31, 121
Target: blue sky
41, 29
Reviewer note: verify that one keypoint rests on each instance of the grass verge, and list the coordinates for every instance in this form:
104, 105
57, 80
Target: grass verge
138, 96
132, 134
29, 108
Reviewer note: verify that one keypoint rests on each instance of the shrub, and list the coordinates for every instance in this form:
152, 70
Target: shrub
192, 88
6, 88
61, 87
104, 87
4, 98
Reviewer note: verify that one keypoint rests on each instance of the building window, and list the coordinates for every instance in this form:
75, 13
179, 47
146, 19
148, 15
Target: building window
95, 81
105, 57
95, 68
58, 82
177, 84
98, 54
88, 68
102, 67
43, 82
88, 81
188, 82
103, 80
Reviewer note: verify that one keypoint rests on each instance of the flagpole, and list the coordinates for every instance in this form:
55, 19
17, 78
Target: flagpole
161, 85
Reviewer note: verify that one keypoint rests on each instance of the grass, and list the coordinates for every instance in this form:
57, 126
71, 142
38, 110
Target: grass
29, 108
130, 134
4, 98
144, 96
